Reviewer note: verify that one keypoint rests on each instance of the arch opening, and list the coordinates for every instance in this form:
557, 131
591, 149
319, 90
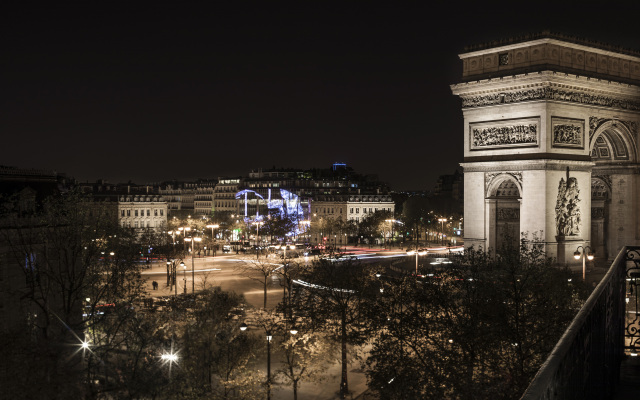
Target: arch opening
503, 198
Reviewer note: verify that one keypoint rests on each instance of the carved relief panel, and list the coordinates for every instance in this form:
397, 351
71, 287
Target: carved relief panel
567, 132
522, 132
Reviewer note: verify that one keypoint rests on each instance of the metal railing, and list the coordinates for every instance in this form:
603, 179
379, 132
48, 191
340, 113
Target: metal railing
585, 363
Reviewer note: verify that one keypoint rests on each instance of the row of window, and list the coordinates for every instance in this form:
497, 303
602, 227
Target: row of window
327, 210
141, 214
149, 224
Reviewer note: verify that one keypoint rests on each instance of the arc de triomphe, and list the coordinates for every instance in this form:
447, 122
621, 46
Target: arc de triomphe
551, 129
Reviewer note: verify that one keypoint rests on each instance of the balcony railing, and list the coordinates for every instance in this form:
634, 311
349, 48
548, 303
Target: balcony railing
585, 363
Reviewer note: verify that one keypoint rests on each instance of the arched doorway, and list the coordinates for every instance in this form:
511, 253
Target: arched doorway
600, 200
503, 197
613, 150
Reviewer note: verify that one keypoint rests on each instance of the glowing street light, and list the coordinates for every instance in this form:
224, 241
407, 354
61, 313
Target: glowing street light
417, 252
213, 239
585, 253
442, 221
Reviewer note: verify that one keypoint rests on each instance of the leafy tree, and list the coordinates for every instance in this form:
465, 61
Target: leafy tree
373, 224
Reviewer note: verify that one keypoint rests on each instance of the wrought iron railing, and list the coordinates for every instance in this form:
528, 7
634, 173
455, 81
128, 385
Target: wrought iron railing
585, 363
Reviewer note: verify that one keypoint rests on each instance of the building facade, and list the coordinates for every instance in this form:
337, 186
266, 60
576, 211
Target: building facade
142, 212
550, 145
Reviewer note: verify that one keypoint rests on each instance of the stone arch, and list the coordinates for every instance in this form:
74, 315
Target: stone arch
503, 185
612, 142
503, 195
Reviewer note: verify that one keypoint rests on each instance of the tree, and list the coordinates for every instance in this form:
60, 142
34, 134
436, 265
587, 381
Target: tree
333, 301
479, 329
373, 224
215, 351
306, 356
277, 226
259, 269
76, 263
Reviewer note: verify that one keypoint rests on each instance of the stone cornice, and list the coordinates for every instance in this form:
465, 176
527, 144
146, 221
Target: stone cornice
543, 79
527, 165
548, 86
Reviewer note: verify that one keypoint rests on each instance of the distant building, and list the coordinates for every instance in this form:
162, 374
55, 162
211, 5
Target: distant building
132, 206
224, 192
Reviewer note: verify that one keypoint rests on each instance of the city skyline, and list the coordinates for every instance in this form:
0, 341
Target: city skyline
181, 93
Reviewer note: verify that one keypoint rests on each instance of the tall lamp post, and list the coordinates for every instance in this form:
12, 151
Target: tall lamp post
184, 279
193, 252
213, 240
417, 253
585, 254
292, 330
184, 229
442, 221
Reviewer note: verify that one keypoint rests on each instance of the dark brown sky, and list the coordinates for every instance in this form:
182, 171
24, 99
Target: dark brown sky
121, 91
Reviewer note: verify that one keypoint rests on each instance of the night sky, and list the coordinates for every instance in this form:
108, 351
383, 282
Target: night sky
164, 91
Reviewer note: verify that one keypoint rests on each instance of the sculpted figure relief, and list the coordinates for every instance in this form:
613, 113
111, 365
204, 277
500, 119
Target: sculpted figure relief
505, 135
568, 208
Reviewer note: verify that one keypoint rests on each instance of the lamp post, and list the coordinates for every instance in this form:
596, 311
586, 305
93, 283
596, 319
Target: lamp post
193, 273
585, 253
417, 253
171, 275
213, 240
269, 337
184, 229
442, 221
184, 279
258, 223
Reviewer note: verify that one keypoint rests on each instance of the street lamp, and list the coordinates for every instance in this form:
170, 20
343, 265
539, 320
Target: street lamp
258, 223
171, 357
184, 229
585, 253
442, 221
213, 237
417, 252
171, 275
185, 276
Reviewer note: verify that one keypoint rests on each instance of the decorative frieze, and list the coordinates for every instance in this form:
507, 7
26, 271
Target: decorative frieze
549, 93
568, 132
508, 133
